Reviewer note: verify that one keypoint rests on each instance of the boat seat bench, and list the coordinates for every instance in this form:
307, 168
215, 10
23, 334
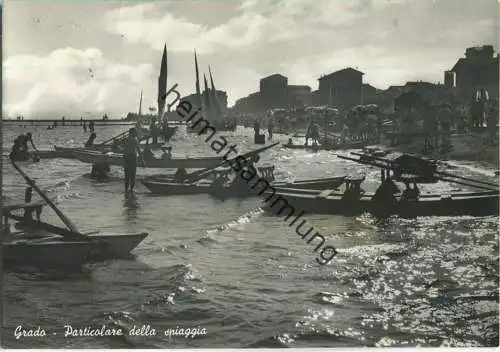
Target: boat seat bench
325, 193
16, 206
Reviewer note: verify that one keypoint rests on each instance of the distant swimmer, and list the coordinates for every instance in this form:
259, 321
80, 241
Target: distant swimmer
91, 139
130, 159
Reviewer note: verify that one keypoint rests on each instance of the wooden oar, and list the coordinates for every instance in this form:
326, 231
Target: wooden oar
467, 184
366, 162
64, 219
197, 175
391, 167
113, 138
442, 173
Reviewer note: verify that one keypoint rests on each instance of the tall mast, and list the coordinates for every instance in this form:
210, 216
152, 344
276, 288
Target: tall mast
206, 96
140, 106
215, 101
162, 84
198, 92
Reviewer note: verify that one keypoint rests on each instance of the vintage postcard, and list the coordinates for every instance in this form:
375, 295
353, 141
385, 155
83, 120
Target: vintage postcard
250, 174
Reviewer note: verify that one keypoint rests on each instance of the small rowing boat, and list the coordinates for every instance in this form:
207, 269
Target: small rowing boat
167, 186
43, 244
108, 246
116, 159
388, 199
332, 203
317, 147
46, 254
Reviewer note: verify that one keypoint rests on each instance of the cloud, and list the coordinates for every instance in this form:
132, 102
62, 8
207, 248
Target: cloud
72, 82
390, 40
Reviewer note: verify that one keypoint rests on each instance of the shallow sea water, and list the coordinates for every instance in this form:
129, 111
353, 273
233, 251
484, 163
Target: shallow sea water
246, 277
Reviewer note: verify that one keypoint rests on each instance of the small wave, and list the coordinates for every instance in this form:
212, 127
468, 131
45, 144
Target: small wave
72, 195
279, 341
206, 240
242, 219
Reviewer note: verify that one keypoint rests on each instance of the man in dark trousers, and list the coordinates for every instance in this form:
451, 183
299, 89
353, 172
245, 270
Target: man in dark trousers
130, 159
270, 127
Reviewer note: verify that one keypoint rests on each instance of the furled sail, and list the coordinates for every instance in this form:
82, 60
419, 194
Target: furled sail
198, 92
206, 100
139, 114
215, 102
162, 84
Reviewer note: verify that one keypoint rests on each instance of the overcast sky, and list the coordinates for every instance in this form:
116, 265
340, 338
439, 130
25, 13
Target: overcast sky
70, 58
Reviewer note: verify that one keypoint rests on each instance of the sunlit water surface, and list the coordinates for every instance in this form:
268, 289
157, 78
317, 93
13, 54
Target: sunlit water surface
246, 277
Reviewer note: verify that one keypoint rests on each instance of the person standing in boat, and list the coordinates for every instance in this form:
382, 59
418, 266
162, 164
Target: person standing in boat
22, 143
84, 127
91, 126
180, 175
130, 159
28, 138
16, 149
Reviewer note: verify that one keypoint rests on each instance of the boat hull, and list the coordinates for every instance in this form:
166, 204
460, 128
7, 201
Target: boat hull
115, 159
53, 254
157, 185
354, 145
473, 204
115, 246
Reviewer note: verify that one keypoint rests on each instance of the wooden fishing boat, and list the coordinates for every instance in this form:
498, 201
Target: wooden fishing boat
64, 153
348, 145
46, 254
106, 246
116, 159
410, 170
167, 186
423, 170
40, 236
328, 202
26, 156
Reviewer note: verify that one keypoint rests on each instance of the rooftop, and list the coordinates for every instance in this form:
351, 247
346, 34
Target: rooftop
276, 75
340, 72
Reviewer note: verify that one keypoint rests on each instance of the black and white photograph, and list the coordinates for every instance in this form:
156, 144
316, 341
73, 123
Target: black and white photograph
211, 174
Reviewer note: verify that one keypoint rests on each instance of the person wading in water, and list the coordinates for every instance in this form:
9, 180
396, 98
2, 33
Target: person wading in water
90, 141
130, 159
